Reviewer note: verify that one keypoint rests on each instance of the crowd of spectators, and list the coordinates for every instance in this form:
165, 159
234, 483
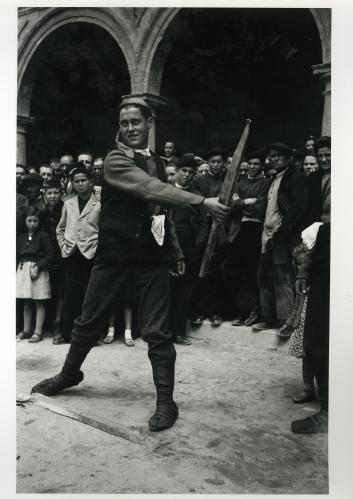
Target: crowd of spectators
270, 268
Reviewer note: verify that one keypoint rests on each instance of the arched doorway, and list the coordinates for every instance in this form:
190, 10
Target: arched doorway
225, 65
80, 76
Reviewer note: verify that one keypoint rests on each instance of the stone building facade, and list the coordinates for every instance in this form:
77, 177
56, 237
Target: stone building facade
140, 33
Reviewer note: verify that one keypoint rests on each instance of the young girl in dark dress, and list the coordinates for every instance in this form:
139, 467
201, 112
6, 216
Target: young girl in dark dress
34, 253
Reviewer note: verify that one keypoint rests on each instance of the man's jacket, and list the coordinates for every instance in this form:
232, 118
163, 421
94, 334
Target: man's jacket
293, 203
78, 230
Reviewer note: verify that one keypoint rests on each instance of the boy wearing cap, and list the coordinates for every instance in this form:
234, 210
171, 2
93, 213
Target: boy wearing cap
136, 245
286, 215
77, 235
244, 240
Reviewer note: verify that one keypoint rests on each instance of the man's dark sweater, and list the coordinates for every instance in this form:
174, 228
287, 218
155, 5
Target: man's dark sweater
209, 185
191, 227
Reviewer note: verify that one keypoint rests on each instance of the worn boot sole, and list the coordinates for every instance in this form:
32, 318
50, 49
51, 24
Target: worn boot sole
56, 384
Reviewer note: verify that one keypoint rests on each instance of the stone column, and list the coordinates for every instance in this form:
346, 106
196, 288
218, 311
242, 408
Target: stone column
156, 103
323, 71
23, 122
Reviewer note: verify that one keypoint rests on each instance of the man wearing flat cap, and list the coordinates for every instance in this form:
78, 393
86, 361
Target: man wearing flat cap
136, 245
285, 218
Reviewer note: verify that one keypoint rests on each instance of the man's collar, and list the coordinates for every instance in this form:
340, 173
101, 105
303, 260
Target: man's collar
280, 173
259, 175
180, 186
130, 153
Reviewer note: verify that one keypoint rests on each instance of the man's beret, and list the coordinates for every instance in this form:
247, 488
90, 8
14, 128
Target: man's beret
78, 168
256, 153
280, 147
32, 179
324, 141
188, 159
216, 152
174, 163
130, 101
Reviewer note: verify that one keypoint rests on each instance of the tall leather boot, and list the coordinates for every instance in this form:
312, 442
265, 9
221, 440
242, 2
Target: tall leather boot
166, 409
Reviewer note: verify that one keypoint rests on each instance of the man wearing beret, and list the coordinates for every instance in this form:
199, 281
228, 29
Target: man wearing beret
285, 219
208, 299
136, 244
244, 241
192, 231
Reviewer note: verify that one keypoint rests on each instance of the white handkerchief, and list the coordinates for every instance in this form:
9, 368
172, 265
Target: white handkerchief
157, 228
309, 235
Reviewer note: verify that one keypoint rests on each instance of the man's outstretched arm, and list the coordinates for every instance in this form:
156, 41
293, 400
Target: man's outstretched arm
122, 173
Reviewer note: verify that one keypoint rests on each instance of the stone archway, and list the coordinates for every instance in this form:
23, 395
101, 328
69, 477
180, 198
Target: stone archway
160, 37
32, 51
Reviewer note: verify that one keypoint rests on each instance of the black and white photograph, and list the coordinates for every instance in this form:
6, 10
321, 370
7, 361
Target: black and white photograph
173, 323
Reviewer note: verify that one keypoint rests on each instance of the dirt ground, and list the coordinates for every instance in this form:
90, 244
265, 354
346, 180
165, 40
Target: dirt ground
233, 389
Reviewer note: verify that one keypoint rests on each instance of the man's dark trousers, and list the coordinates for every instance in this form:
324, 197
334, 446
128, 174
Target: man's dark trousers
180, 292
107, 285
240, 268
317, 322
77, 274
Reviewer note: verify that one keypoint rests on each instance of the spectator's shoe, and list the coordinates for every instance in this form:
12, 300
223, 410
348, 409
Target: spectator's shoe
216, 320
237, 322
262, 326
108, 339
304, 396
57, 329
52, 386
129, 342
24, 335
285, 332
181, 340
253, 317
197, 321
59, 340
318, 423
165, 416
35, 338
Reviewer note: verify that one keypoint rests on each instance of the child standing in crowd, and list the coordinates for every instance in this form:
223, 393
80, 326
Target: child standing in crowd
50, 219
77, 235
34, 253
